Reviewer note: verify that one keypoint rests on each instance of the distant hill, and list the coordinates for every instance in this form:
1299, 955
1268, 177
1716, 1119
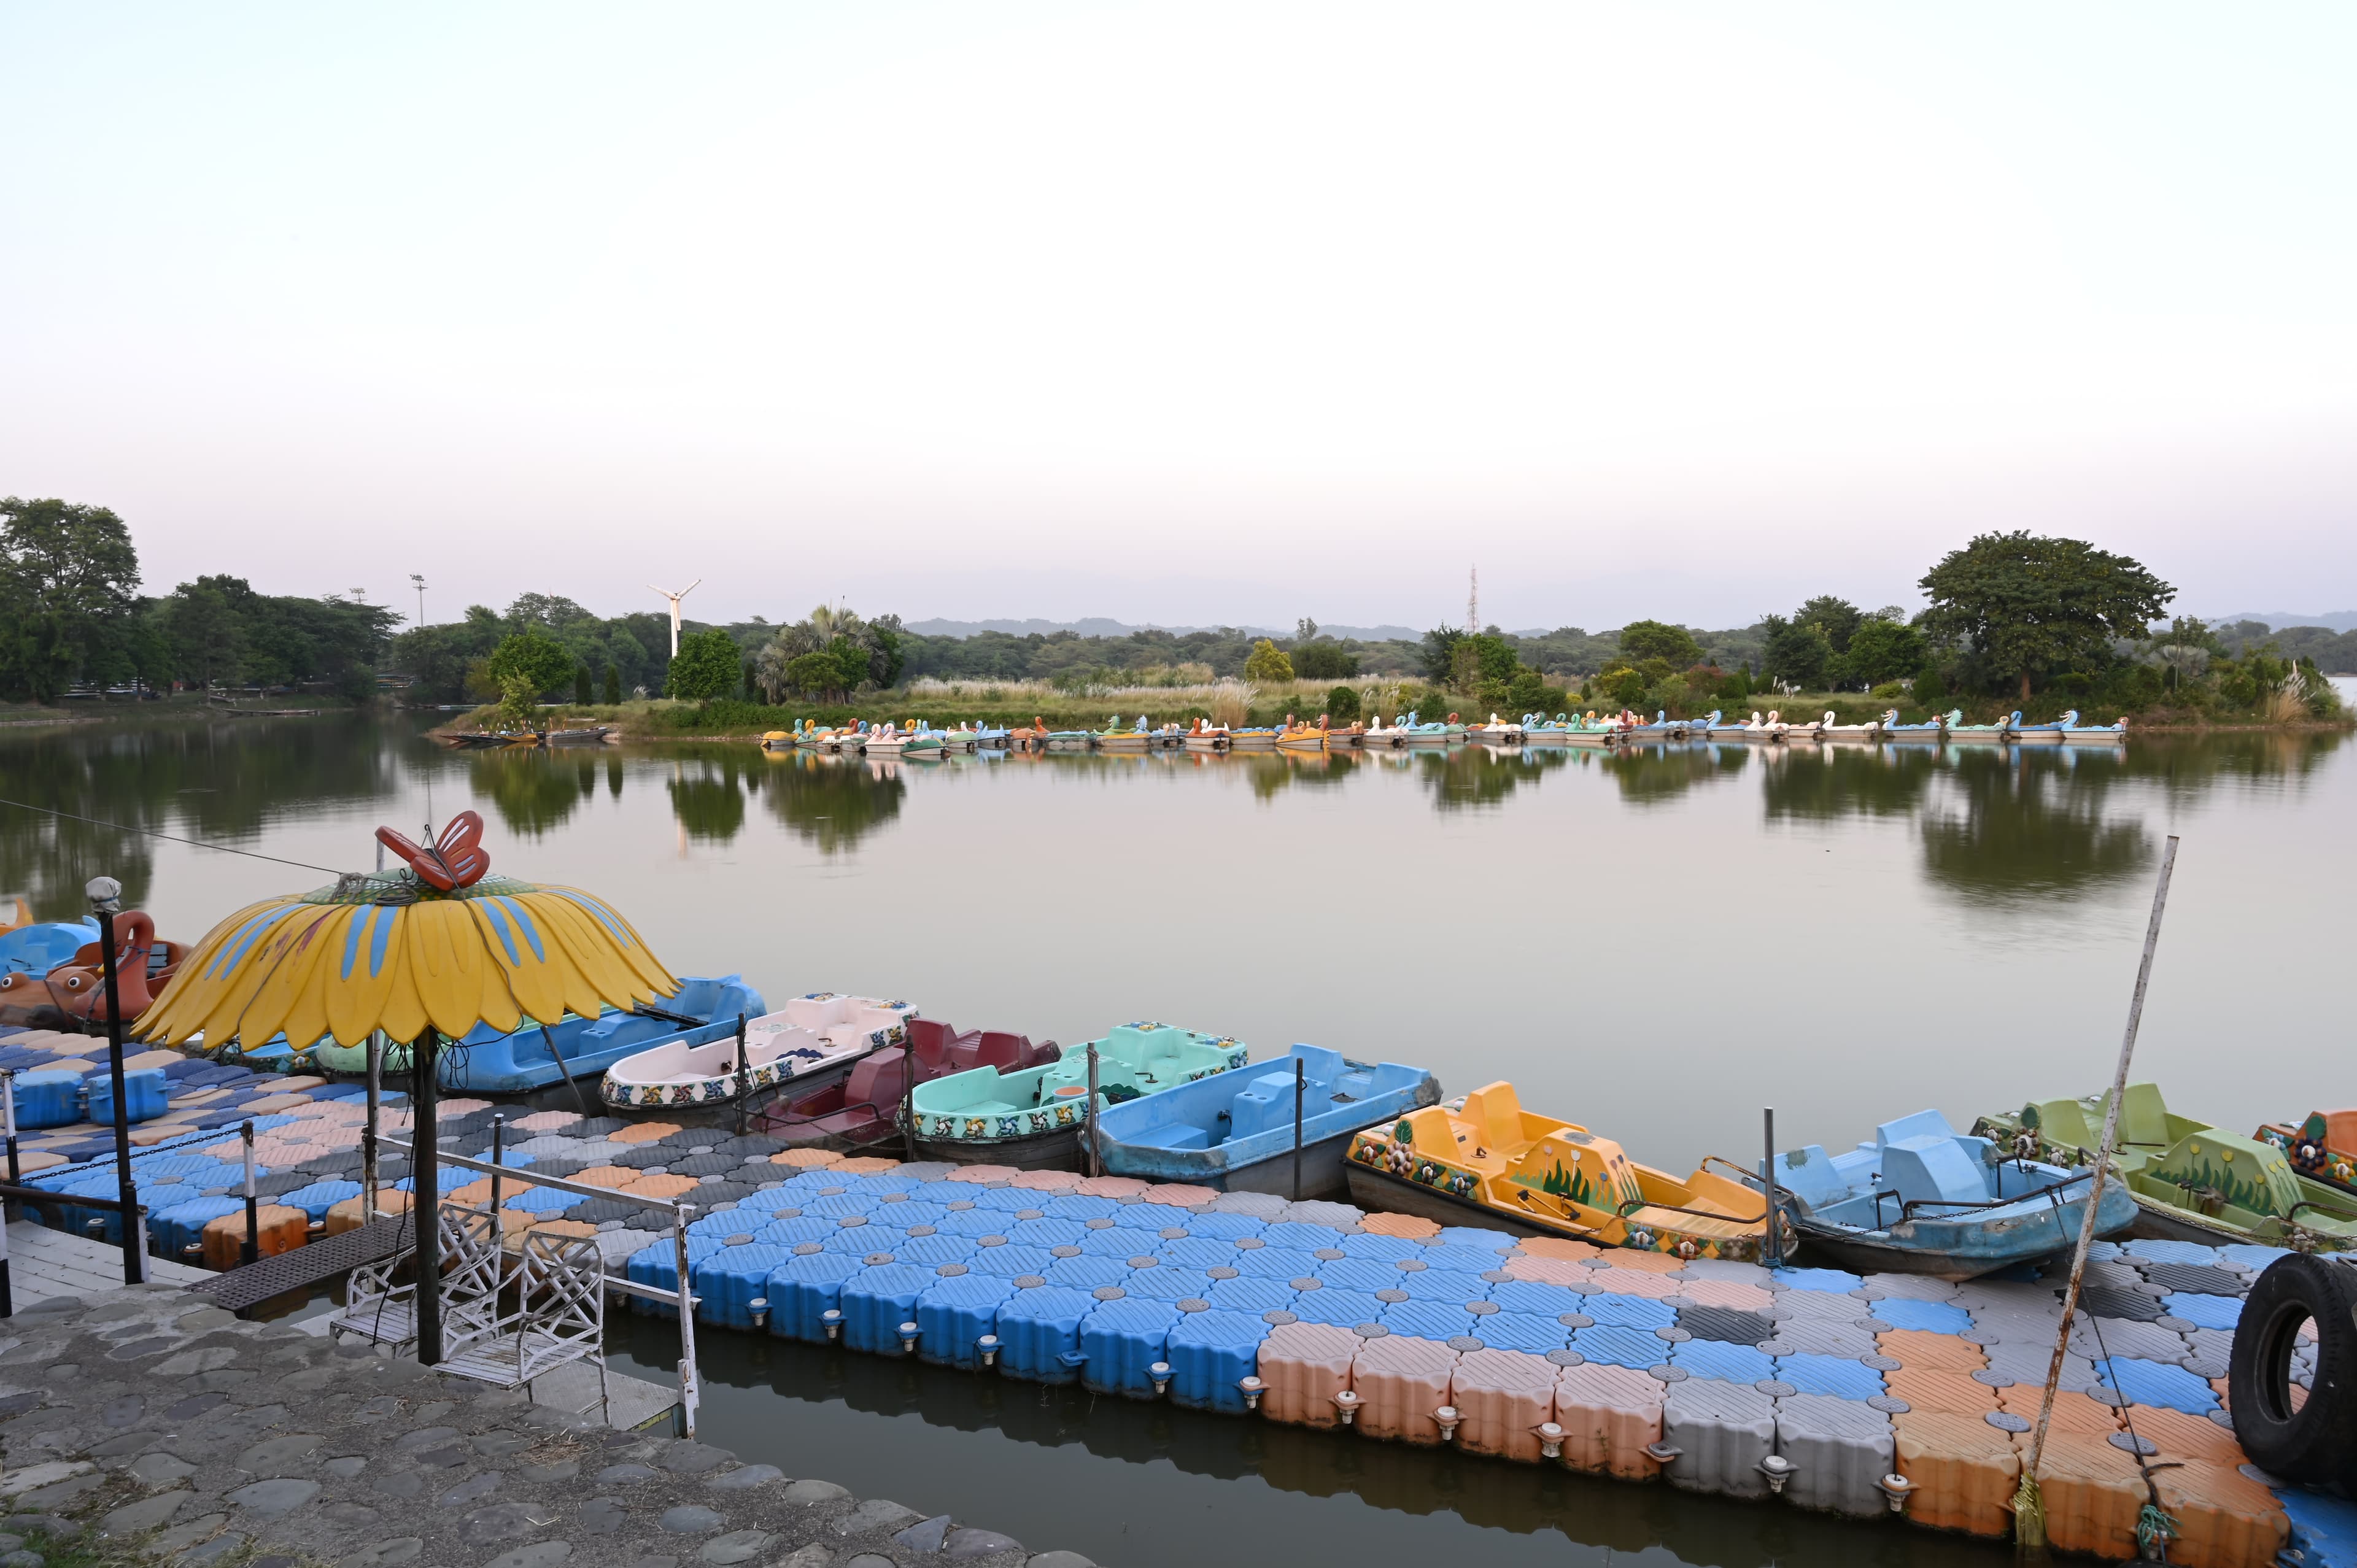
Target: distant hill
2339, 620
1098, 626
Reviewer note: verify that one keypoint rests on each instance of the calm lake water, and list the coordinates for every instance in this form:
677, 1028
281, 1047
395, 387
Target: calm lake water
1656, 943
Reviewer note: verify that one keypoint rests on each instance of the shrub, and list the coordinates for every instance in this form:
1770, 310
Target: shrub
581, 684
1342, 706
814, 674
533, 657
1528, 693
1735, 687
1625, 689
613, 685
1930, 685
1268, 662
1889, 692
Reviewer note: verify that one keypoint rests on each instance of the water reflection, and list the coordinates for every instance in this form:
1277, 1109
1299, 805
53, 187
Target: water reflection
224, 782
1844, 780
2016, 826
1651, 775
532, 791
831, 803
1476, 777
708, 792
1149, 1485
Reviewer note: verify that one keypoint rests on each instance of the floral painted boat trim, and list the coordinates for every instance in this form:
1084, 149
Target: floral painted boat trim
726, 1086
996, 1127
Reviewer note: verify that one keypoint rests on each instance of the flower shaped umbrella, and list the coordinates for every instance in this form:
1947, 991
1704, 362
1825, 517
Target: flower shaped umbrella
441, 945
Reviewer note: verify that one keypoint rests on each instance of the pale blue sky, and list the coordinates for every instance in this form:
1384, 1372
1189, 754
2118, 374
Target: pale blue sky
1186, 312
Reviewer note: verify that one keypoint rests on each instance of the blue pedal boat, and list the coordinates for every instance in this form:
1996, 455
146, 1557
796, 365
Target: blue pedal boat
1925, 1200
1234, 1130
703, 1009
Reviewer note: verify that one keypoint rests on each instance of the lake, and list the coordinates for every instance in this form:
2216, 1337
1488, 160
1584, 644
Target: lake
1657, 943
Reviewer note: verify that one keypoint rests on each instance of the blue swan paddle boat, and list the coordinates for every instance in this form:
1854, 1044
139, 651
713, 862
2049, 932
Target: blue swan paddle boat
701, 1011
1234, 1130
1923, 1198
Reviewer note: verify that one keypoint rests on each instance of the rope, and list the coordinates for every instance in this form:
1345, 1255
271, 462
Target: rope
175, 838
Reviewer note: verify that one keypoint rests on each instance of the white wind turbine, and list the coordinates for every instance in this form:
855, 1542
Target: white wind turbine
674, 599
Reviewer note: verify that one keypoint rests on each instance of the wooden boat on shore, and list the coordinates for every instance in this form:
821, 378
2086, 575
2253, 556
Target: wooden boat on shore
1032, 1117
593, 735
1483, 1160
808, 1038
1922, 1200
1234, 1131
2192, 1182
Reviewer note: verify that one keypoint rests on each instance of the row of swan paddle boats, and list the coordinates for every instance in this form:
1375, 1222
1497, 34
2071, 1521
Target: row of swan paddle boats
1405, 731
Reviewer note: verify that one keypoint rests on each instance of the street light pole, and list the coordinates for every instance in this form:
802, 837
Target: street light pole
106, 901
419, 578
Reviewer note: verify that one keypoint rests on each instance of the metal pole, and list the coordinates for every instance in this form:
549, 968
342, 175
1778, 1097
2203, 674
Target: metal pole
1300, 1087
425, 1199
253, 1247
103, 892
1771, 1250
744, 1077
8, 1293
2103, 1157
499, 1128
367, 1132
907, 1096
8, 1098
687, 1378
1093, 1170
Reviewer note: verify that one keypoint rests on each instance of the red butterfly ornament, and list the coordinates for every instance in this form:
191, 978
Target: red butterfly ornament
454, 860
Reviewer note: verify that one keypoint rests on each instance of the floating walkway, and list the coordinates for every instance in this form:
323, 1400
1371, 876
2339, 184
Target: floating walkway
1860, 1395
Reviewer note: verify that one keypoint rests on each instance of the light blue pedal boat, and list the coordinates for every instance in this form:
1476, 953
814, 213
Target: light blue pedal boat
1234, 1130
701, 1011
1923, 1198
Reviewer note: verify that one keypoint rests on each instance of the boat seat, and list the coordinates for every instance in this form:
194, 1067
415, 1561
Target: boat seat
1932, 1168
1496, 1110
993, 1047
1176, 1135
2144, 1118
1922, 1125
933, 1041
1264, 1105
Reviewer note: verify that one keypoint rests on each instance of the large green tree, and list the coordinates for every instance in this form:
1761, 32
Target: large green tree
2028, 605
533, 659
1643, 640
706, 666
68, 576
1797, 652
1881, 650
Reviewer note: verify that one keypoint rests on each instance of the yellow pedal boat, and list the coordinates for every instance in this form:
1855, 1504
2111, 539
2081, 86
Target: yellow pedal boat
1483, 1160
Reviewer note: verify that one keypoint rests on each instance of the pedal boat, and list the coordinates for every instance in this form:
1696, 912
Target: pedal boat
1380, 737
1922, 1200
1997, 734
1257, 739
858, 1111
1540, 730
1483, 1160
702, 1011
1046, 739
1113, 737
1207, 736
2076, 733
1433, 734
1497, 732
2190, 1181
1933, 730
1234, 1131
1304, 737
809, 1038
1827, 730
2322, 1148
1032, 1117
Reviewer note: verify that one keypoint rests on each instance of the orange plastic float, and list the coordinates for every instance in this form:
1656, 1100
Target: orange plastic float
1415, 1227
1305, 1365
811, 1159
867, 1164
1502, 1398
2224, 1519
2093, 1493
1949, 1393
1964, 1471
1928, 1351
346, 1216
278, 1228
1609, 1417
1401, 1382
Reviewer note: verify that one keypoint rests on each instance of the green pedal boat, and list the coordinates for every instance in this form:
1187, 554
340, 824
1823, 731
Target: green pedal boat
2191, 1181
1033, 1119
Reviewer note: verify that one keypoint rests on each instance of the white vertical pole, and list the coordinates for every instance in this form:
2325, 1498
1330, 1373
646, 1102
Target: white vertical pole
687, 1379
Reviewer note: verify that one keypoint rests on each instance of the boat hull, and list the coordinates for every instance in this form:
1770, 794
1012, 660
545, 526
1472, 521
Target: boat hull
2096, 737
520, 1062
1122, 742
1253, 742
1380, 1190
1207, 742
1053, 1151
1979, 1249
1322, 1171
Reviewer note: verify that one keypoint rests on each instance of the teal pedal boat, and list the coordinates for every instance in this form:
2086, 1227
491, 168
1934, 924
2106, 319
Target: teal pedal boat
1033, 1119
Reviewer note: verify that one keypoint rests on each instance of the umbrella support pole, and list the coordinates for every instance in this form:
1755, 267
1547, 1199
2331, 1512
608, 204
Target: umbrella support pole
367, 1134
425, 1199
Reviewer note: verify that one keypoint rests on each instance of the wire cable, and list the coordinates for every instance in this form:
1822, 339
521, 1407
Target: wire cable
175, 838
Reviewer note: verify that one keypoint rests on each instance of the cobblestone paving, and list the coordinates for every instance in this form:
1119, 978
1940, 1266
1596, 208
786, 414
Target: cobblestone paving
156, 1429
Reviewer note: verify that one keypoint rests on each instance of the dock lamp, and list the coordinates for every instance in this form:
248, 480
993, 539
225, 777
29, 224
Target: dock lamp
107, 902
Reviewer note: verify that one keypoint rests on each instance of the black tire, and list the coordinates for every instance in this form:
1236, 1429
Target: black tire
2315, 1445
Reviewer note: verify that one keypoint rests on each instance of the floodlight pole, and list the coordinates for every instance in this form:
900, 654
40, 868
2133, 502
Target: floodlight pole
106, 900
426, 1197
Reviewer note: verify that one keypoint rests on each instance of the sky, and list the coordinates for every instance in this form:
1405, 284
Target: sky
1185, 313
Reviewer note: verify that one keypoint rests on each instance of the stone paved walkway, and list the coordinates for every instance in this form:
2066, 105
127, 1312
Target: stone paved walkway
151, 1426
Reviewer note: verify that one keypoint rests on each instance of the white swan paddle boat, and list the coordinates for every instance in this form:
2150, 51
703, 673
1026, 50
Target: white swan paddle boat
808, 1037
2076, 733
